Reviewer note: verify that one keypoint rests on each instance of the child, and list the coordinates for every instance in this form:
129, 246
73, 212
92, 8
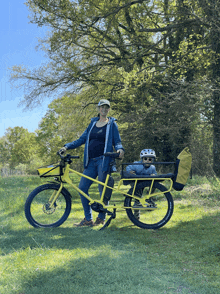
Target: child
147, 156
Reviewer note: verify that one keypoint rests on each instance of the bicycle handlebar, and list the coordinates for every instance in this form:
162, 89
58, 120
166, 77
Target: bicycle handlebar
67, 157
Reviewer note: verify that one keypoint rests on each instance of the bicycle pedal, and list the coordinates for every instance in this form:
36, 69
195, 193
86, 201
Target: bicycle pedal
151, 206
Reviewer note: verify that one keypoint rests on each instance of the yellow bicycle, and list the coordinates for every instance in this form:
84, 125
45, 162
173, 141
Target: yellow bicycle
148, 203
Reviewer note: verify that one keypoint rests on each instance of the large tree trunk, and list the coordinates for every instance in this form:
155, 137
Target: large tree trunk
216, 101
216, 134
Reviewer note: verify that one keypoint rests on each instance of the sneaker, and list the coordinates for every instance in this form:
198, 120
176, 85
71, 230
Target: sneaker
85, 223
99, 221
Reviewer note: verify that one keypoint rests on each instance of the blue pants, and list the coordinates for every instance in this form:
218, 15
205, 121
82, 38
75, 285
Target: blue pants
93, 170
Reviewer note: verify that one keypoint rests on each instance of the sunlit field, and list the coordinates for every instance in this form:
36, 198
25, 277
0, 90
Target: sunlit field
181, 257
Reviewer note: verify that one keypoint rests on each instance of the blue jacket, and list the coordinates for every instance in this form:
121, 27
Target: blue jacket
141, 169
112, 139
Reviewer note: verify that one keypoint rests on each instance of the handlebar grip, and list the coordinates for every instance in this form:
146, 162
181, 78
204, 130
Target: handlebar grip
112, 154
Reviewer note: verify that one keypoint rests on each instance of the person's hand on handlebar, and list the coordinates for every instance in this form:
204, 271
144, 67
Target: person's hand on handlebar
62, 150
121, 153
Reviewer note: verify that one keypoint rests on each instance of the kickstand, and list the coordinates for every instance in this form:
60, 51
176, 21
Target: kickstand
113, 215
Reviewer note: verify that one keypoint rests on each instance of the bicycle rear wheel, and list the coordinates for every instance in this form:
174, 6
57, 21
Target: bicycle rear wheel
156, 212
37, 207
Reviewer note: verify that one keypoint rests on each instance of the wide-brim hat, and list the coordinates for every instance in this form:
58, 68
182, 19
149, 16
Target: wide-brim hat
104, 102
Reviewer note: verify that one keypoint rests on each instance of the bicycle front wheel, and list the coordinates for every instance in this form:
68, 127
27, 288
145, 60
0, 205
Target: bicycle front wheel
40, 213
157, 210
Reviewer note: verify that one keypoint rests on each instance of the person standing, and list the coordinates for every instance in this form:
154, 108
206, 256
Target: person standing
99, 137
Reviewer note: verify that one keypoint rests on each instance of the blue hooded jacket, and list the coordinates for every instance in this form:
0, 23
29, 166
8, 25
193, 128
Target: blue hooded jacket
140, 169
112, 139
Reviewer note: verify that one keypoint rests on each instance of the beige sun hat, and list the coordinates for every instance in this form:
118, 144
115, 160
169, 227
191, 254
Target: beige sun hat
104, 102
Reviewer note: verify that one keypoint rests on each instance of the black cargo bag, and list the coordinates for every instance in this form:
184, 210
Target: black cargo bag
108, 191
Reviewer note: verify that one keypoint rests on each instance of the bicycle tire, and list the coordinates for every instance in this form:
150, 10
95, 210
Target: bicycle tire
160, 210
37, 202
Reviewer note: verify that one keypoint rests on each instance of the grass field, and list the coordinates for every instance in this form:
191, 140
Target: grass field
181, 257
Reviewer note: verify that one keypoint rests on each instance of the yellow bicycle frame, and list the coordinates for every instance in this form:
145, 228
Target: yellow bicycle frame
66, 178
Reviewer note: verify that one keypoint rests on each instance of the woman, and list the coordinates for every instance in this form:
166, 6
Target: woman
100, 136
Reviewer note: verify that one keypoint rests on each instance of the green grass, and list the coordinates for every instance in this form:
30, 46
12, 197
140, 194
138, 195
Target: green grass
181, 257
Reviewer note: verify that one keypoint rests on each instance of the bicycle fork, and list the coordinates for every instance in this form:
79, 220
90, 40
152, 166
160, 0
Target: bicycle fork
54, 196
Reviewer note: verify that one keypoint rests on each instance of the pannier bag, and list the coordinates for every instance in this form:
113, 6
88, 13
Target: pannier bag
50, 171
108, 191
182, 169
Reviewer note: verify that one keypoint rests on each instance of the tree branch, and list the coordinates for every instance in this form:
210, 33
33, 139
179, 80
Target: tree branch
173, 26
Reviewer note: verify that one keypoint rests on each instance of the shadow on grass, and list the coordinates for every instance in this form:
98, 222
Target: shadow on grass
121, 258
114, 260
105, 273
66, 237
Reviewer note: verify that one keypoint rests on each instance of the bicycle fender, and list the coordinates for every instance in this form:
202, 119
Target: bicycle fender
63, 189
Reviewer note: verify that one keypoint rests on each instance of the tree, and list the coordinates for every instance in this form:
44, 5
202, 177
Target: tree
20, 145
92, 36
24, 150
4, 152
135, 53
211, 11
64, 122
13, 135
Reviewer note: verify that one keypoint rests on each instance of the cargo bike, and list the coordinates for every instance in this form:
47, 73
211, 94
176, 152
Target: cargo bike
148, 201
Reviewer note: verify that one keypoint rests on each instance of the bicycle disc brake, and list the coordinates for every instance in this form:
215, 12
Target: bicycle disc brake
49, 210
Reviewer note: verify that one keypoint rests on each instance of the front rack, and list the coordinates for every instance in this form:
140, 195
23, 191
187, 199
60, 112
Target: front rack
50, 170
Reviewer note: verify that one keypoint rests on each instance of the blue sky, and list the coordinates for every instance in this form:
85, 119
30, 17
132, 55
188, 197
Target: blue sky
18, 41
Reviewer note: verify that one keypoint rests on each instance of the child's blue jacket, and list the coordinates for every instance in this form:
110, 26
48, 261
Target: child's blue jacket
112, 139
141, 169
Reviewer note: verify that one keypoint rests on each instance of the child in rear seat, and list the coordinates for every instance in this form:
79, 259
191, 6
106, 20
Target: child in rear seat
147, 156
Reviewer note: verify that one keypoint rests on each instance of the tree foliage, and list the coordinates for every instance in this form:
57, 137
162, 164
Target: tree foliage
19, 146
90, 40
64, 122
157, 61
